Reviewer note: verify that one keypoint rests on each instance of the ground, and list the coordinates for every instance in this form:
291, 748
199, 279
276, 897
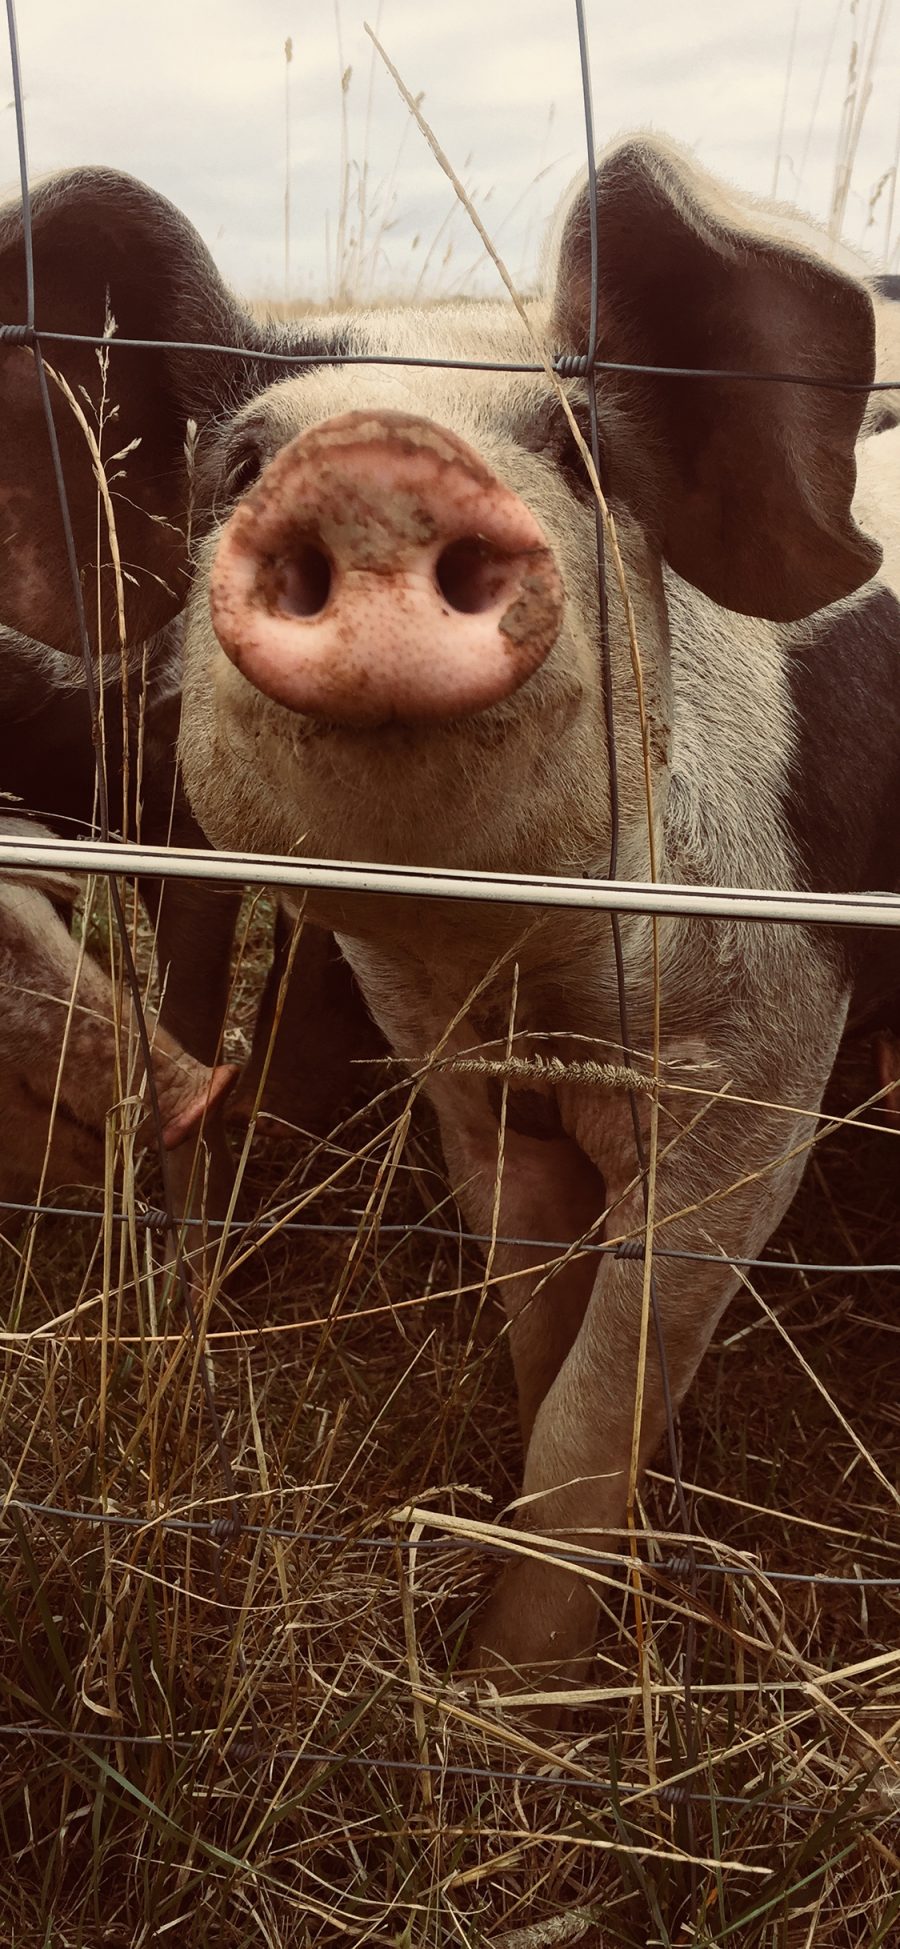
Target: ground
251, 1733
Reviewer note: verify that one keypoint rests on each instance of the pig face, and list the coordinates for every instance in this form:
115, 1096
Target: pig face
449, 688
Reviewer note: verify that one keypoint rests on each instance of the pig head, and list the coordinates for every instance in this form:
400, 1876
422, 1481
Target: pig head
67, 1058
312, 1027
392, 644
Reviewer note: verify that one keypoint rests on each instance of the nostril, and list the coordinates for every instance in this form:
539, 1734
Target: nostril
471, 575
301, 581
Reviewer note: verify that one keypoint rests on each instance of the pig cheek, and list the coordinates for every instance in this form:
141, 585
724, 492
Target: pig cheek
239, 755
19, 523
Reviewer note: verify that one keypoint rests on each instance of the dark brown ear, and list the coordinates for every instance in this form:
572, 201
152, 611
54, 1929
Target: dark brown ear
105, 247
744, 486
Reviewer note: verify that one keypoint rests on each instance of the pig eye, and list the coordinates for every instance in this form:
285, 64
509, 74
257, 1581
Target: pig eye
243, 466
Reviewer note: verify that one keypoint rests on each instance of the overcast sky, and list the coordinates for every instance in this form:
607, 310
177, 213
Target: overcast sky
190, 95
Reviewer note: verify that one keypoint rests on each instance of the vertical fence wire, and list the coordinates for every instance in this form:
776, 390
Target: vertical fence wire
131, 974
621, 986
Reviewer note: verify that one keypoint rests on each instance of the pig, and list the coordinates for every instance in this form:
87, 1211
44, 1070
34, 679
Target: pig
47, 769
883, 411
64, 1054
392, 651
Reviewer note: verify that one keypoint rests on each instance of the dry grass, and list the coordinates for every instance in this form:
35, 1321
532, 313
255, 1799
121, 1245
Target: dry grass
202, 1735
254, 1735
374, 253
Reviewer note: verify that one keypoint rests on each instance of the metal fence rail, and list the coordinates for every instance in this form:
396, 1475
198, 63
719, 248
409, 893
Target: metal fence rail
601, 895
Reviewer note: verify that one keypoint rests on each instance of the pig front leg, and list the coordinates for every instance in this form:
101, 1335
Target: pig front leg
721, 1190
312, 1033
886, 1052
195, 920
63, 1043
195, 924
524, 1186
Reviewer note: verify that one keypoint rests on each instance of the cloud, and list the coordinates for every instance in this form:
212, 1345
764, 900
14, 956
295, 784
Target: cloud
189, 95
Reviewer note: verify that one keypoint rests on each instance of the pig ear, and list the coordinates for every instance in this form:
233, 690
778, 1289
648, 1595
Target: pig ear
745, 487
105, 248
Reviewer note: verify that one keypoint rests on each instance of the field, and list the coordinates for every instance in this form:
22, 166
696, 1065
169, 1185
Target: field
245, 1727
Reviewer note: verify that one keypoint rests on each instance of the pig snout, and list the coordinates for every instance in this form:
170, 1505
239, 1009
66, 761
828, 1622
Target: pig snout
379, 570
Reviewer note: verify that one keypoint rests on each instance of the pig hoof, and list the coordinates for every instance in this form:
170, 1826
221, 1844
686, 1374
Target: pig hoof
207, 1101
887, 1069
535, 1635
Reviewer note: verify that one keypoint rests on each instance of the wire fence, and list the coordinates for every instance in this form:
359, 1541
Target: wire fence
610, 895
247, 1752
234, 1524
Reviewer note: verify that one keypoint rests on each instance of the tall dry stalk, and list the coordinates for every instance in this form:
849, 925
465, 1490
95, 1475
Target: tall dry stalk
288, 59
340, 246
788, 76
862, 61
889, 246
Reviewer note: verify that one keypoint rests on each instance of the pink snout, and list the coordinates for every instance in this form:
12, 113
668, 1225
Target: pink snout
379, 570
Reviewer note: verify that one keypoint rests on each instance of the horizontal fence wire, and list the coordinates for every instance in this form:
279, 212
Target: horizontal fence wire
152, 1220
232, 1527
567, 365
242, 1751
